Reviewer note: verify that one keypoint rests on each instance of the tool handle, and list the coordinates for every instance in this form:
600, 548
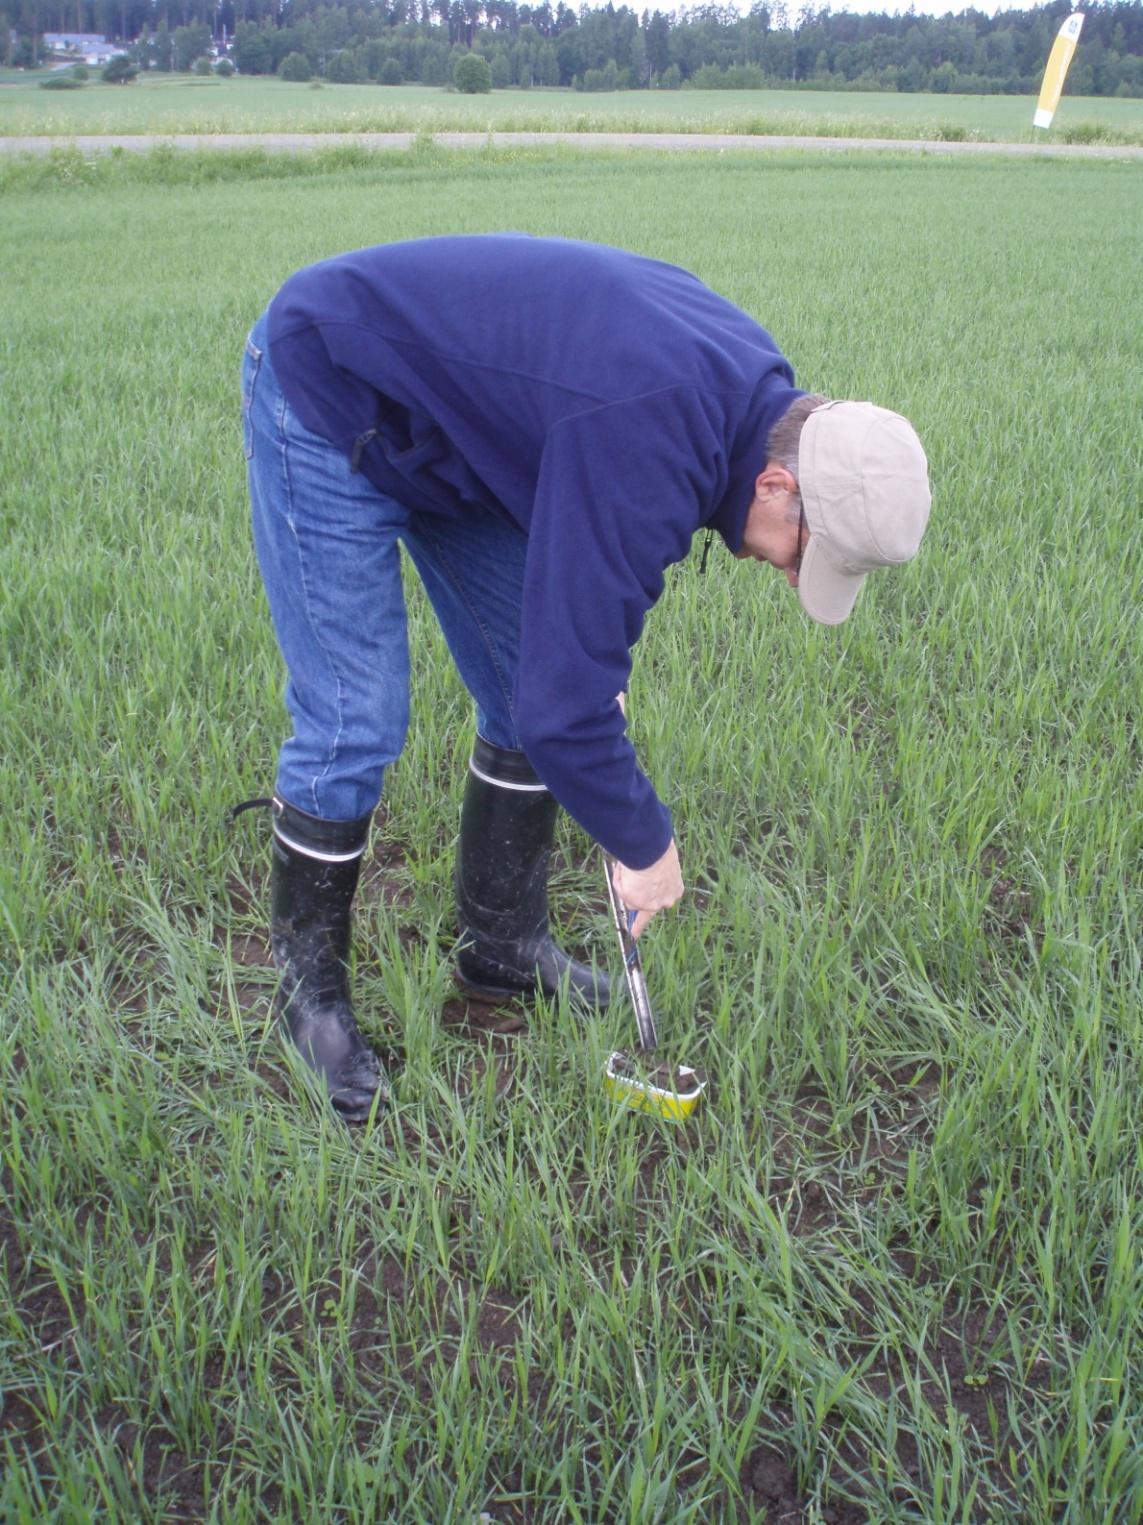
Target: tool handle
624, 920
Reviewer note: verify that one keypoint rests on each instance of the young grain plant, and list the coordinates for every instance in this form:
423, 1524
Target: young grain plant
890, 1270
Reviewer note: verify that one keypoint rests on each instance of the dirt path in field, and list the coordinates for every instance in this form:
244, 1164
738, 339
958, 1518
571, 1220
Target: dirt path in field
295, 142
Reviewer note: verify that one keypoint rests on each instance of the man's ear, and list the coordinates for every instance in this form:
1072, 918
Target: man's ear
772, 478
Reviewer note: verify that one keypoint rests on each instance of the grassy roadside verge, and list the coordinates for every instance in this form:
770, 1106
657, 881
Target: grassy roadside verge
71, 166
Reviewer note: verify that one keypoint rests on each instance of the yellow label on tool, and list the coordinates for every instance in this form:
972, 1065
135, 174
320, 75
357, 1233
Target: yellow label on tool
642, 1096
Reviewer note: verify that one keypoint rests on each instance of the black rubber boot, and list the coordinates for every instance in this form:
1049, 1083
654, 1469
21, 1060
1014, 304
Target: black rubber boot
314, 877
507, 826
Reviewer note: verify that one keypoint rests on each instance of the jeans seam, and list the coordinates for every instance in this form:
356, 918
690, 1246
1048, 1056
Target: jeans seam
331, 752
489, 645
253, 365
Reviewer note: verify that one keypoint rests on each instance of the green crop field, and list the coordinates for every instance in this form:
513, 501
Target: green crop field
891, 1270
182, 105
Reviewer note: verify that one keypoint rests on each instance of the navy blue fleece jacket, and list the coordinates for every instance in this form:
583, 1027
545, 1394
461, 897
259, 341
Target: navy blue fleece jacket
609, 405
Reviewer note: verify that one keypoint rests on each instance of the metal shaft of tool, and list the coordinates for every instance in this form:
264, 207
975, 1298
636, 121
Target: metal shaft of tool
632, 963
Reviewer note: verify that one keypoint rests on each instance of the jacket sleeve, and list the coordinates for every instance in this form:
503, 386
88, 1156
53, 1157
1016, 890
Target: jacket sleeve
621, 490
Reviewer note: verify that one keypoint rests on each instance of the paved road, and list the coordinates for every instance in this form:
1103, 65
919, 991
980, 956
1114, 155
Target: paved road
295, 142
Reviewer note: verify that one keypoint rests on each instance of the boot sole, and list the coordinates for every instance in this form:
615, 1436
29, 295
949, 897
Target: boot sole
499, 995
493, 995
356, 1116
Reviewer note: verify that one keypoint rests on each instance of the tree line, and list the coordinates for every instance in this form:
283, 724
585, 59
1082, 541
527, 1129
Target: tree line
612, 47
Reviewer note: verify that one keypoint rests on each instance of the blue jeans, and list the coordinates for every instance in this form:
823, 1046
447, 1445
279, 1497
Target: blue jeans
328, 546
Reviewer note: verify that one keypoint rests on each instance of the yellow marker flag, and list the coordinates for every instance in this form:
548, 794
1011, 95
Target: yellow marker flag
1058, 60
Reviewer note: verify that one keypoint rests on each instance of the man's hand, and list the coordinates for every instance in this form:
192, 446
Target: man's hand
649, 890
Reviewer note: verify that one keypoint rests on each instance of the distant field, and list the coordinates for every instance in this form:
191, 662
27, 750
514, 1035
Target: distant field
187, 105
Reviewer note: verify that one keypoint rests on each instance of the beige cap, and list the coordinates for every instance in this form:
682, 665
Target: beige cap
865, 489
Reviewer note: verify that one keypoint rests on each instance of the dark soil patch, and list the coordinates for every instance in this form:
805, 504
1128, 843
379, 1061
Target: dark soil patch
769, 1484
161, 1470
965, 1368
1009, 915
478, 1020
382, 882
250, 952
35, 1301
820, 1175
20, 1426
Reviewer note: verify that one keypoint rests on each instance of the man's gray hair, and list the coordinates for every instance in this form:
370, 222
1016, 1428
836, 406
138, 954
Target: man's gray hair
785, 436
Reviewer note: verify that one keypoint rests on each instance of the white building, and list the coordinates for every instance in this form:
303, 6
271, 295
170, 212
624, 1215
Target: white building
92, 47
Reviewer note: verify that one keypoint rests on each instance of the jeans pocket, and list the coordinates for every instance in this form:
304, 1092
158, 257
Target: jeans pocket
251, 364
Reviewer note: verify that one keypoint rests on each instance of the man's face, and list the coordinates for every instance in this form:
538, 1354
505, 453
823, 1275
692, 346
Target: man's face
775, 527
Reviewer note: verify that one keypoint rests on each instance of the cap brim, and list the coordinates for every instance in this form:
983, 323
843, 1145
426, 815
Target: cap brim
827, 595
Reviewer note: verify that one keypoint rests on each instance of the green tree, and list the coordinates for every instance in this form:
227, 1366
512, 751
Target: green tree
331, 35
390, 73
549, 64
433, 64
659, 42
571, 54
913, 76
252, 51
296, 67
637, 62
472, 75
347, 67
190, 42
162, 48
26, 54
944, 80
120, 71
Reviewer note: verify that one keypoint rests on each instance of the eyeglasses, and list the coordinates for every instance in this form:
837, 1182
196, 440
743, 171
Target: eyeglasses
796, 568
